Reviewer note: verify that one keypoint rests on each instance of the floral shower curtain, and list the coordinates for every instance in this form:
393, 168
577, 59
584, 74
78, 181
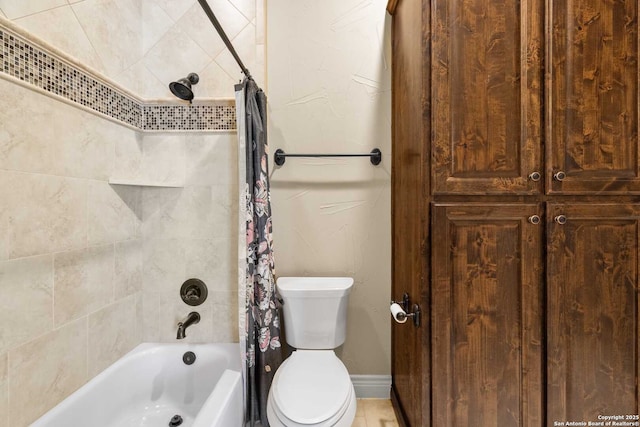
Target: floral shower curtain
258, 304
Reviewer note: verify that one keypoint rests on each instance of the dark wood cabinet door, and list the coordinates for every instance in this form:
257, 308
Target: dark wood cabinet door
487, 316
487, 96
592, 311
593, 97
410, 214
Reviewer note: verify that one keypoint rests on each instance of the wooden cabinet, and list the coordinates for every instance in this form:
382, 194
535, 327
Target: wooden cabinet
524, 324
488, 109
592, 311
592, 100
487, 316
487, 96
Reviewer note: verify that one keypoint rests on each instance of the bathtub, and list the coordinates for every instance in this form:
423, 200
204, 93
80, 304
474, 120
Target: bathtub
151, 384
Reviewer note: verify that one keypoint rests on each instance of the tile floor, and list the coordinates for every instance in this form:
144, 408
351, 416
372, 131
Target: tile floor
374, 413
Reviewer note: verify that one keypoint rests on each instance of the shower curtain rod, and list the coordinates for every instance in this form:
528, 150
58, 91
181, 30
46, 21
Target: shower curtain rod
223, 36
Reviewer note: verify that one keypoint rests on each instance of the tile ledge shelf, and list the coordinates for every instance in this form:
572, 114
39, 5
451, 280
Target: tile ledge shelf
144, 183
182, 117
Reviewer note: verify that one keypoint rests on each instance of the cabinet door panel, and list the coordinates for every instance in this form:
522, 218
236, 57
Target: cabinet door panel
487, 321
593, 96
486, 99
592, 300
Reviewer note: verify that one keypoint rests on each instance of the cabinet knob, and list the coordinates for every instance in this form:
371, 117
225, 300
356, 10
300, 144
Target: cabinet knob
534, 219
535, 176
560, 219
559, 176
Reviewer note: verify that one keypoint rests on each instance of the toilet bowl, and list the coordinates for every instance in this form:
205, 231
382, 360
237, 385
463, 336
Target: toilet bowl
312, 388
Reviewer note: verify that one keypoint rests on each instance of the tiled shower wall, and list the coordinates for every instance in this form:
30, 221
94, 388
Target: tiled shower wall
88, 269
71, 251
145, 44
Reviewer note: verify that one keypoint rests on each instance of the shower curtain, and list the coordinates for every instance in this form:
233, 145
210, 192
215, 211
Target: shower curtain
258, 303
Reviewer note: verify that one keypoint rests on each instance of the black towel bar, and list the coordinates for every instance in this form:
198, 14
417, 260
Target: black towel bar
280, 156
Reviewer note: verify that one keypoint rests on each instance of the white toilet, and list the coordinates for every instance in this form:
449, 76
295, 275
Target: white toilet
312, 387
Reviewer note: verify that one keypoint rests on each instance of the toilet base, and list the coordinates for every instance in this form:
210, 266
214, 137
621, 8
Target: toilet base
345, 421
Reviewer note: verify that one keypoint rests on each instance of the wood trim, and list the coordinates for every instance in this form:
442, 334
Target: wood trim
392, 5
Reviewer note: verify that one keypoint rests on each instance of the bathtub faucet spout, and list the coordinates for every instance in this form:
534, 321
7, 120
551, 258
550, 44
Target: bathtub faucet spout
191, 319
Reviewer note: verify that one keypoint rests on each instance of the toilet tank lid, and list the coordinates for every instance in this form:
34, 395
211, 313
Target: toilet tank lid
334, 286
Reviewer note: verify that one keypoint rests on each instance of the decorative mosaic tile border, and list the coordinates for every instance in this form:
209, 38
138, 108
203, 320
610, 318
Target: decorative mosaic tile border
26, 61
190, 117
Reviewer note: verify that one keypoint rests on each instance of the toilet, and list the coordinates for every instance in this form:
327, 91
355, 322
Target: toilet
313, 387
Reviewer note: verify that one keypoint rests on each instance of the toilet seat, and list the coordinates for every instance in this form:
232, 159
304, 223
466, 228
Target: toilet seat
311, 388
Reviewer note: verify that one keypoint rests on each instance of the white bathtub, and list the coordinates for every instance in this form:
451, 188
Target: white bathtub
151, 384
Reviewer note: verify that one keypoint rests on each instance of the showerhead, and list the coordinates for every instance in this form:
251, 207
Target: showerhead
182, 88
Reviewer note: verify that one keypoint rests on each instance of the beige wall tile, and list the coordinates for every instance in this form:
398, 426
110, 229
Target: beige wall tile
70, 142
261, 22
163, 212
83, 282
4, 391
247, 7
225, 316
196, 24
128, 156
213, 261
163, 265
163, 156
141, 81
175, 56
26, 300
114, 213
47, 214
155, 23
5, 192
150, 316
175, 8
139, 317
190, 212
15, 9
245, 44
209, 212
211, 159
45, 371
112, 333
153, 158
128, 268
215, 82
2, 14
114, 28
61, 28
114, 36
164, 273
86, 145
24, 147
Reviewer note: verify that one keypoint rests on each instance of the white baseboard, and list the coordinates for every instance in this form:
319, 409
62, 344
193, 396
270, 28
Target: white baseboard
372, 386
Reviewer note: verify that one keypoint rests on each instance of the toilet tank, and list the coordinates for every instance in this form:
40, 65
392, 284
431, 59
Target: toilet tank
315, 310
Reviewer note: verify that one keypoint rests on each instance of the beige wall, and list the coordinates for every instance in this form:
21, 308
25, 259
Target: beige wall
329, 91
146, 44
